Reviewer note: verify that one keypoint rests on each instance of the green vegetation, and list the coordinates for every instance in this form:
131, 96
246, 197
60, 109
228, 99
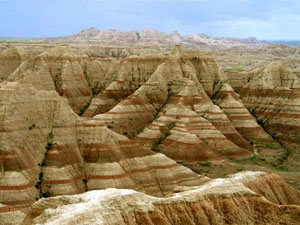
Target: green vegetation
32, 126
11, 41
38, 184
236, 69
262, 159
138, 35
84, 109
281, 169
252, 158
110, 126
273, 145
205, 164
166, 134
48, 146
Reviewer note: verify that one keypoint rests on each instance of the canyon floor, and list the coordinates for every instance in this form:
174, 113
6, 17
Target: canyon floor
149, 133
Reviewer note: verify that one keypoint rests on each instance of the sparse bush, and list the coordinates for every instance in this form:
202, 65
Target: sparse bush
49, 145
281, 169
205, 164
32, 126
272, 145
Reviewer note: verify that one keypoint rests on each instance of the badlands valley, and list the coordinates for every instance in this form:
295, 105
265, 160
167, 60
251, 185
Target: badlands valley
143, 127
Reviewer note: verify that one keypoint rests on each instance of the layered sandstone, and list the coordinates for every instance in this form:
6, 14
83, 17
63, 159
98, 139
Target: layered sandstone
10, 59
273, 97
133, 107
10, 215
238, 114
234, 200
47, 150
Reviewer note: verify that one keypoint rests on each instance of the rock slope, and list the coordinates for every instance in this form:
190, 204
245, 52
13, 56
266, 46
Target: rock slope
153, 37
273, 96
47, 150
72, 122
244, 198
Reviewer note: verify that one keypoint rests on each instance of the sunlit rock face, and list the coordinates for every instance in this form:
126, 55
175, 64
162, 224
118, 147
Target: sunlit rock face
273, 96
47, 150
10, 59
243, 198
72, 121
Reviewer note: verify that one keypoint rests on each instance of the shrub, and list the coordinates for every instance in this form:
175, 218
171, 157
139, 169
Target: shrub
205, 164
32, 126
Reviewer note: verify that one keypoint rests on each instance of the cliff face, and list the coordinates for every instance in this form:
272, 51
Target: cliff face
238, 199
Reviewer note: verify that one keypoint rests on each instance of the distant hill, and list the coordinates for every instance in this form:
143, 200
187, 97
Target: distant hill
149, 37
292, 43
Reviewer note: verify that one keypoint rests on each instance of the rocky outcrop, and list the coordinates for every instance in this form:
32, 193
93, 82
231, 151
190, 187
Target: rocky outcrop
139, 113
10, 59
274, 75
67, 72
275, 101
47, 150
233, 200
122, 79
175, 134
228, 100
153, 37
10, 216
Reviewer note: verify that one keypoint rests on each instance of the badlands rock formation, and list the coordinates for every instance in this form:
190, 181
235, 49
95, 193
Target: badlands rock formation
10, 59
72, 121
153, 37
244, 198
272, 95
47, 150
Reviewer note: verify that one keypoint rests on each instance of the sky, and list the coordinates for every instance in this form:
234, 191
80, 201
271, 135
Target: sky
264, 19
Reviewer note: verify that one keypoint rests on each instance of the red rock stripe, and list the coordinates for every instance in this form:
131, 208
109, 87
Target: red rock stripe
7, 208
18, 187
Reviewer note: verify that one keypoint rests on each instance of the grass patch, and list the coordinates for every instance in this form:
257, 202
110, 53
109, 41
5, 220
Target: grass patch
262, 159
252, 158
205, 164
273, 145
236, 69
281, 169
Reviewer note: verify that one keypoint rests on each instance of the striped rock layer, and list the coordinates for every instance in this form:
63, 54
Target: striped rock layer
228, 100
238, 199
176, 82
10, 215
47, 150
273, 96
131, 109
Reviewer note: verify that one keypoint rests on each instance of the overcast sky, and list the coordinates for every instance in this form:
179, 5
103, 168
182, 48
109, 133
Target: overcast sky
264, 19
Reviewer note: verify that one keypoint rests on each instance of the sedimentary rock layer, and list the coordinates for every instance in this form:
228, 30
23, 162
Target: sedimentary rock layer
47, 150
220, 201
273, 97
10, 215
